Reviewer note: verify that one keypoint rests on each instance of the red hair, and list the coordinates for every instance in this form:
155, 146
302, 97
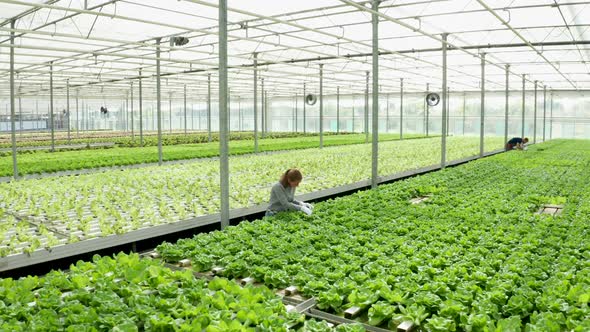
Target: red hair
292, 175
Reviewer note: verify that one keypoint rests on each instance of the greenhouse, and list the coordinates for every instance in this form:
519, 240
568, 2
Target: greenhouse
328, 165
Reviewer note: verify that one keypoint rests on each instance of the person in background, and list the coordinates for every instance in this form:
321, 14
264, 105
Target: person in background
516, 142
282, 195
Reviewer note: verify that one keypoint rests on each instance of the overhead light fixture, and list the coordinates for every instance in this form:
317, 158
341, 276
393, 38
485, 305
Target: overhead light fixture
178, 41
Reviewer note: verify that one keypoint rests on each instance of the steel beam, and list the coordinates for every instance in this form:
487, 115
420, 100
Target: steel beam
375, 145
223, 115
483, 104
443, 157
366, 115
544, 109
159, 100
535, 115
507, 100
523, 103
140, 110
321, 105
12, 113
51, 106
401, 108
255, 102
210, 138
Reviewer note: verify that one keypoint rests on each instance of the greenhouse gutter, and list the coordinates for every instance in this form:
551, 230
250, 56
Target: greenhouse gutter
20, 261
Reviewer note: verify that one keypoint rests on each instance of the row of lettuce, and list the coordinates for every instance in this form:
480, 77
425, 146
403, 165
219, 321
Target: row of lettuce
130, 294
475, 256
45, 161
127, 139
73, 208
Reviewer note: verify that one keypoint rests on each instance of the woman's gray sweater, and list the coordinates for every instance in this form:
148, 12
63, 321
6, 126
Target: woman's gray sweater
283, 199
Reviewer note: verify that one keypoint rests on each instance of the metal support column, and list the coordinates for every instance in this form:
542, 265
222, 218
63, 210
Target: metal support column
401, 108
464, 110
427, 110
535, 116
321, 105
443, 154
338, 110
77, 114
304, 109
210, 138
170, 110
12, 115
551, 117
448, 109
507, 96
255, 103
296, 112
223, 115
375, 147
483, 104
140, 110
159, 100
185, 127
51, 106
67, 115
544, 109
523, 105
387, 122
20, 112
366, 115
132, 116
262, 108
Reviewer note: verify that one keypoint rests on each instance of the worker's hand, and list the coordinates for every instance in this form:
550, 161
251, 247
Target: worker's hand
306, 210
308, 205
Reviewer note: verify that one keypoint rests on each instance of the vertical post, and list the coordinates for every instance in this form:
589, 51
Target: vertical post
126, 111
443, 155
304, 109
375, 147
263, 107
170, 110
483, 104
77, 115
67, 108
367, 108
296, 112
12, 113
240, 120
321, 105
266, 113
353, 100
507, 96
223, 114
185, 128
132, 116
427, 110
401, 108
448, 109
255, 102
535, 116
209, 106
523, 97
338, 110
464, 110
51, 106
140, 110
544, 109
159, 100
387, 121
20, 111
551, 118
